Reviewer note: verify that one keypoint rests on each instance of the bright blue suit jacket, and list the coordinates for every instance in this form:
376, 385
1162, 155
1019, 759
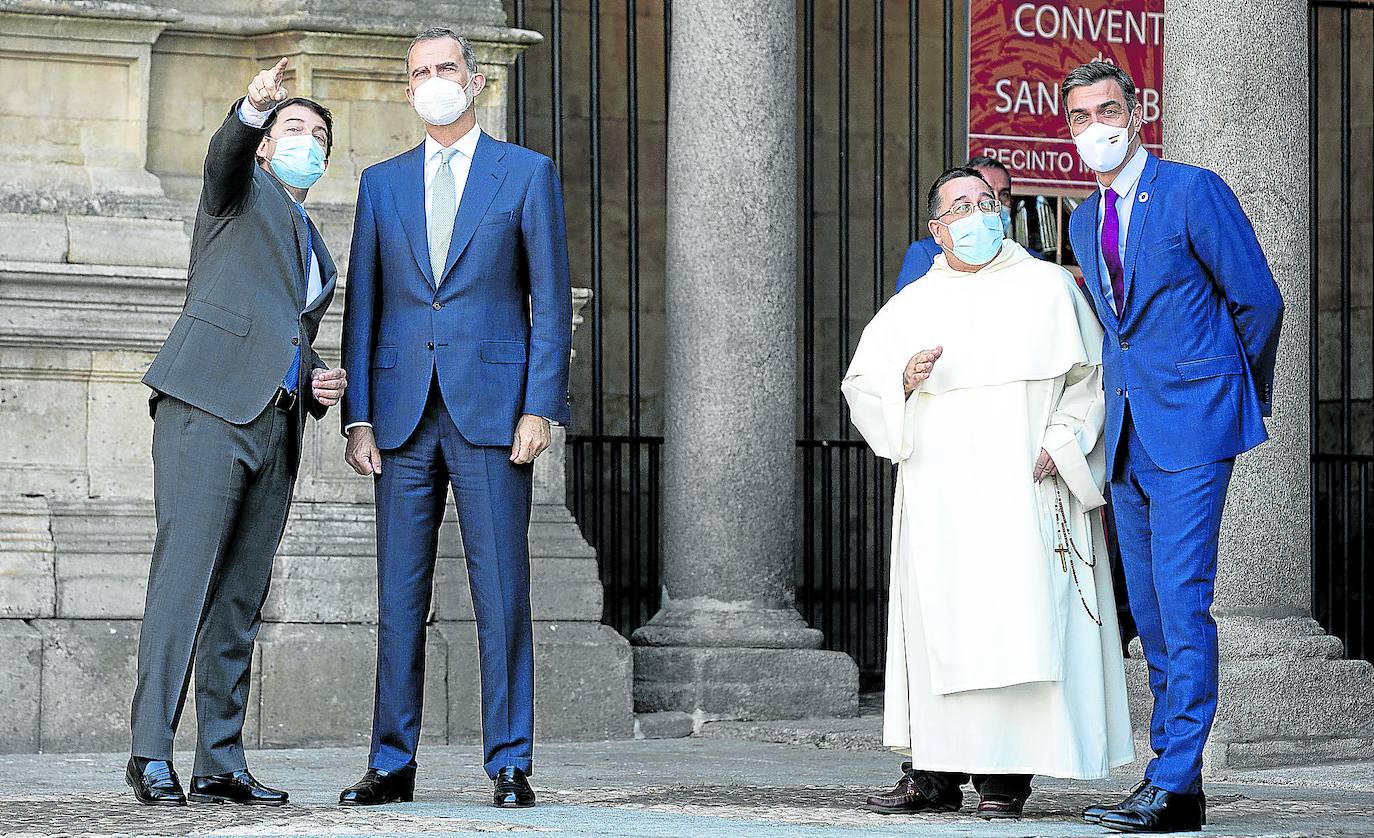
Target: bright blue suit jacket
496, 331
920, 258
1195, 346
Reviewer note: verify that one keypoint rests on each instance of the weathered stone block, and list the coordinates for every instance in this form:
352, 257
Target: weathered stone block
582, 675
102, 240
27, 587
33, 238
670, 724
102, 553
21, 664
89, 672
742, 683
319, 589
318, 684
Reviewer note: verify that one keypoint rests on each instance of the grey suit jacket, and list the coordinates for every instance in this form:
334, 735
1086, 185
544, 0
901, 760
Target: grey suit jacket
238, 331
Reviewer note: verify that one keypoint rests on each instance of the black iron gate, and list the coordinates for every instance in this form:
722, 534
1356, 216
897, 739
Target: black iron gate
1341, 78
877, 118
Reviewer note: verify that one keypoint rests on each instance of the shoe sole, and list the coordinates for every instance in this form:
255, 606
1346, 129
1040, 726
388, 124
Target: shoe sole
923, 810
145, 802
215, 798
1134, 831
405, 798
513, 805
999, 816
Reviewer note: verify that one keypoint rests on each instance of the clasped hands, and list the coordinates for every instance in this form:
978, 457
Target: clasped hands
918, 369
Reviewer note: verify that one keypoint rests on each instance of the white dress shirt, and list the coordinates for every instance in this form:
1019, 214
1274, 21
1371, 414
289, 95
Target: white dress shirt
460, 163
1124, 187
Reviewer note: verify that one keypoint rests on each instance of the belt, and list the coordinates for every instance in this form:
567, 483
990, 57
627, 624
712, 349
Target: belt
285, 400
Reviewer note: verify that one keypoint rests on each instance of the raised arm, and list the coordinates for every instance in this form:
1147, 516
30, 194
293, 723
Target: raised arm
231, 158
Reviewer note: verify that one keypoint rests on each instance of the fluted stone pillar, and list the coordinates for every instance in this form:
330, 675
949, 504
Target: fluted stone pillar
728, 642
1242, 110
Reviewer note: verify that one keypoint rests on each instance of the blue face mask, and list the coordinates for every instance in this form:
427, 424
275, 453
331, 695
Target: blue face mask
1006, 221
977, 237
298, 161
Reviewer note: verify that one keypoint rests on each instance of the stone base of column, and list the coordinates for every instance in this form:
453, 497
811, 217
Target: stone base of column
733, 661
1287, 697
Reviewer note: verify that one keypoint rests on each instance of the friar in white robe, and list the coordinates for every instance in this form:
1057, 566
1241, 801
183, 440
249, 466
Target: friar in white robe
1003, 653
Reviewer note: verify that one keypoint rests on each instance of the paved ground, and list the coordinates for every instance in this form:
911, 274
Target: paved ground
707, 787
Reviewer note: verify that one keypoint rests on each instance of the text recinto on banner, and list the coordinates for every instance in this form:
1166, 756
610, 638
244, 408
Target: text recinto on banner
1018, 54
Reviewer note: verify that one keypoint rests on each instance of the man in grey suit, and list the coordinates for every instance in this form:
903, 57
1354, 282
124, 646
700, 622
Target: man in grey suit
228, 414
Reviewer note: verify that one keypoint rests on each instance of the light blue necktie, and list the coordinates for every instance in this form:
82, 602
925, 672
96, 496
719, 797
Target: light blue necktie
442, 211
292, 380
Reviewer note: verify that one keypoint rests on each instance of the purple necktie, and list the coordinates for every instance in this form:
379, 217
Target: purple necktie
1111, 253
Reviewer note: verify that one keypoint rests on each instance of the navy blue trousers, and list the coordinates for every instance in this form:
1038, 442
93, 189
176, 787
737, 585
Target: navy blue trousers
493, 499
1168, 524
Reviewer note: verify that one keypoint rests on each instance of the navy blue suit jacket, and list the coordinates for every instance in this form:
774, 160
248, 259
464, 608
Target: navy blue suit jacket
1195, 346
920, 258
496, 331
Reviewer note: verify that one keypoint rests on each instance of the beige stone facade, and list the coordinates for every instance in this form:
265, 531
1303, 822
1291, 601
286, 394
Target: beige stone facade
102, 139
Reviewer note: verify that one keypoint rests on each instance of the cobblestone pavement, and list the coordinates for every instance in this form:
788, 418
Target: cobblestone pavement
685, 787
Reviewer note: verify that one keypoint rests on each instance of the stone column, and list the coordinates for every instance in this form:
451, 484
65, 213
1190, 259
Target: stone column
728, 641
1241, 109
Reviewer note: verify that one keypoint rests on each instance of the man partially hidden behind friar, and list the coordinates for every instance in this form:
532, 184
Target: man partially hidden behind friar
982, 382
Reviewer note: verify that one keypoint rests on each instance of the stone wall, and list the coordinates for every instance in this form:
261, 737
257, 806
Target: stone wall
101, 144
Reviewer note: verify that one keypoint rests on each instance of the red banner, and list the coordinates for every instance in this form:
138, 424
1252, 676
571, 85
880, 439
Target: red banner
1018, 54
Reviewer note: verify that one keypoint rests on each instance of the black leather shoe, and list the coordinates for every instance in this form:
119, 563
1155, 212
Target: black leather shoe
154, 782
1158, 810
916, 791
1093, 814
235, 787
512, 789
378, 786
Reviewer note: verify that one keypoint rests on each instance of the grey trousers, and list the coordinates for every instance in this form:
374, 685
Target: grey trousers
222, 493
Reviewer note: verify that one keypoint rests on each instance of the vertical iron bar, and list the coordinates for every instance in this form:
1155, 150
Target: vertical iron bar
556, 94
877, 155
519, 91
1314, 272
1346, 335
625, 595
808, 300
843, 209
1345, 233
871, 494
949, 82
598, 305
913, 98
632, 273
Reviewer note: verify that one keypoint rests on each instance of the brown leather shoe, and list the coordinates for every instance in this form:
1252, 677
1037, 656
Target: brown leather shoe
994, 806
916, 792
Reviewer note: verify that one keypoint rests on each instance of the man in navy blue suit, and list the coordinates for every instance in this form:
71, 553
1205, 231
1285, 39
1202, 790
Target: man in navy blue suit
1192, 315
457, 327
920, 256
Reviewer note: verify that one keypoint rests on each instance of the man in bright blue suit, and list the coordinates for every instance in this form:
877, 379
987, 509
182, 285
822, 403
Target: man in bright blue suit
1192, 316
920, 256
457, 326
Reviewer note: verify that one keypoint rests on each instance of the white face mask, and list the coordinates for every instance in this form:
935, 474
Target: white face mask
1103, 147
441, 101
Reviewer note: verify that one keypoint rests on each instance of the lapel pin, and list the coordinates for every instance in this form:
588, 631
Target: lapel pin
1144, 196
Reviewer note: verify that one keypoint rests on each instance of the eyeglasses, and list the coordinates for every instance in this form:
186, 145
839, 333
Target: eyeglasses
991, 206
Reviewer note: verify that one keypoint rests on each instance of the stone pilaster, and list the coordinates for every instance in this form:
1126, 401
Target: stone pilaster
1242, 110
728, 641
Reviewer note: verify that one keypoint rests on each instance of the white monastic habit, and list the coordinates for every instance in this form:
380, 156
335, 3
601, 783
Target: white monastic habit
996, 662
